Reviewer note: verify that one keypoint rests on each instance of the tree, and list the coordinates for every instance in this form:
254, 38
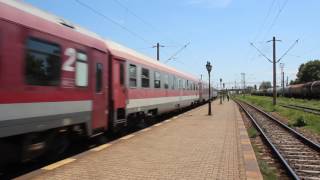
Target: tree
309, 71
265, 85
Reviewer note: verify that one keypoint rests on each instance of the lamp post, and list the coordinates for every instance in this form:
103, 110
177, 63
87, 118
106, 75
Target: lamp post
220, 90
209, 68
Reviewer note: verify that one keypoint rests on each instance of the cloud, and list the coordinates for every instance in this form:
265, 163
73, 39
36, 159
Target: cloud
210, 3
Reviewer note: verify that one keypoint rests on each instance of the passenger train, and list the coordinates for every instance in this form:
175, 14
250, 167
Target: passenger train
59, 80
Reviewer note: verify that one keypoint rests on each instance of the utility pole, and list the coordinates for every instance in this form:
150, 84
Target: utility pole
282, 77
243, 79
274, 62
158, 50
287, 81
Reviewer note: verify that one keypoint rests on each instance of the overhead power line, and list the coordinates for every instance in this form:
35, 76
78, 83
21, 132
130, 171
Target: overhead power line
144, 21
260, 52
289, 49
134, 14
264, 20
276, 18
113, 21
173, 56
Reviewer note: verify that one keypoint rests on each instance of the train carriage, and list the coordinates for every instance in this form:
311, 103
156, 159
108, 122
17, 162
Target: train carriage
59, 80
144, 87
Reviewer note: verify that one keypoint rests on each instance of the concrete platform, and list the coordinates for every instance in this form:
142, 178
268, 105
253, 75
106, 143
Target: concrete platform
189, 146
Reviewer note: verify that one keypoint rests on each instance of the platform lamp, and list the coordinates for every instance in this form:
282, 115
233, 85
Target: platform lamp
209, 68
220, 91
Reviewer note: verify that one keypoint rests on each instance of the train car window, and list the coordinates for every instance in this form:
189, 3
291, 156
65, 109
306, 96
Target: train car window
180, 83
171, 82
121, 74
43, 63
145, 78
133, 75
99, 72
82, 70
157, 80
174, 82
166, 81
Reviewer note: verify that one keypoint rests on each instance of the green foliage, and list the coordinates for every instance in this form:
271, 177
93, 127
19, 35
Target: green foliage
309, 71
252, 132
300, 121
266, 171
265, 85
311, 121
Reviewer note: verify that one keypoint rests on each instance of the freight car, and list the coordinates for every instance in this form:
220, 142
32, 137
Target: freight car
59, 80
306, 90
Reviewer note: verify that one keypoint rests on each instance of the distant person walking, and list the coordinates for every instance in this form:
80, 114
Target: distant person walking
228, 97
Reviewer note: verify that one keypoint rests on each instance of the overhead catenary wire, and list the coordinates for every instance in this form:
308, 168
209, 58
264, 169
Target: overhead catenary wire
289, 49
264, 20
260, 52
276, 18
143, 20
134, 14
113, 21
177, 52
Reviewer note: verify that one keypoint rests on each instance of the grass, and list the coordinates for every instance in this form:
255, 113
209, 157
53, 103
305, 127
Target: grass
252, 132
265, 169
295, 117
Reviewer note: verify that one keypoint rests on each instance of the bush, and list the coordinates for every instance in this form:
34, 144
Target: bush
252, 132
300, 122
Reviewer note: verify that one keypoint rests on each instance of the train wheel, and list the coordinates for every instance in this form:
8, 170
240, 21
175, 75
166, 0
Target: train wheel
58, 145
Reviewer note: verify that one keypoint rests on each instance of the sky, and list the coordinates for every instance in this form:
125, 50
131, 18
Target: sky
219, 31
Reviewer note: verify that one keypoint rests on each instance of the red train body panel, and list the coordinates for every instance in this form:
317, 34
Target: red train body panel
56, 77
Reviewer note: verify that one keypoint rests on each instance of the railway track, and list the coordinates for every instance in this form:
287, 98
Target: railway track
303, 108
300, 156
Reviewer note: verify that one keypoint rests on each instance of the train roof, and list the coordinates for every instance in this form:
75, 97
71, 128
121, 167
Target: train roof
34, 18
12, 10
130, 54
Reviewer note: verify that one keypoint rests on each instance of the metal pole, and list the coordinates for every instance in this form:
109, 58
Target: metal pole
220, 95
209, 111
274, 101
158, 49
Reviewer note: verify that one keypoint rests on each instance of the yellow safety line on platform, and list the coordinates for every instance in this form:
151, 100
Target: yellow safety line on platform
127, 137
167, 120
146, 129
99, 148
159, 124
58, 164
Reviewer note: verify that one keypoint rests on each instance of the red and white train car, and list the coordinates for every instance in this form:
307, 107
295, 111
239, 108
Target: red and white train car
57, 79
144, 87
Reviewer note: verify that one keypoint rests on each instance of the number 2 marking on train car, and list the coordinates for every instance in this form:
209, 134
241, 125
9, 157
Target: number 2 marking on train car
68, 64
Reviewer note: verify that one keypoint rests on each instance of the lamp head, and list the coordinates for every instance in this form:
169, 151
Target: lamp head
209, 67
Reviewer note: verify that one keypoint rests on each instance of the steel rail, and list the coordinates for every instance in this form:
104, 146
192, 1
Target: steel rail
290, 171
312, 144
302, 108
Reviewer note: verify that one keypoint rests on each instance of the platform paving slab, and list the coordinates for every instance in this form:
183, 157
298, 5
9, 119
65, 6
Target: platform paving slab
191, 146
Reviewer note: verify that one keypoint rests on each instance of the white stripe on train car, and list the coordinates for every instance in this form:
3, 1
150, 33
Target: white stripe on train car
30, 110
134, 103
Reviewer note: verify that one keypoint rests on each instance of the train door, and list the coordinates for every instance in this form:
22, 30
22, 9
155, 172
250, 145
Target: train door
119, 90
100, 92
